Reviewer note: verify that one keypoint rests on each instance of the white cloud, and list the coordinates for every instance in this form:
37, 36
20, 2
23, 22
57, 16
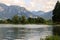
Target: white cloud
13, 2
44, 5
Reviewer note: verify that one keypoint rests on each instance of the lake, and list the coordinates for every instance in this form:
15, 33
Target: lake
24, 32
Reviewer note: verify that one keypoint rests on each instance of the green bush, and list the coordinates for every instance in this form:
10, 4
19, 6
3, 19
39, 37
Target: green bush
53, 38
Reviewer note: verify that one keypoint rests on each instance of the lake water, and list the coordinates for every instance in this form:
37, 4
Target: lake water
24, 32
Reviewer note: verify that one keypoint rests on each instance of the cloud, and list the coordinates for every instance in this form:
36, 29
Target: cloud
44, 5
13, 2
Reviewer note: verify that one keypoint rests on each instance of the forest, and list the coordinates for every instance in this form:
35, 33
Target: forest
23, 20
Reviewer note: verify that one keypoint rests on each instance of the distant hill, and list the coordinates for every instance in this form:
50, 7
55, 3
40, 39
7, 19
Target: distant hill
10, 11
45, 15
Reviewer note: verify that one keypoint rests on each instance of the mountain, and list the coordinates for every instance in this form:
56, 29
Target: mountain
3, 10
39, 13
48, 15
19, 10
45, 15
10, 11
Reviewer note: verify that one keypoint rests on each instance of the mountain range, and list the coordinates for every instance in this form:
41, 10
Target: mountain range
10, 11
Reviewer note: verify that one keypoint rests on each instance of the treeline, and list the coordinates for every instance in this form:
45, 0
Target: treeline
23, 20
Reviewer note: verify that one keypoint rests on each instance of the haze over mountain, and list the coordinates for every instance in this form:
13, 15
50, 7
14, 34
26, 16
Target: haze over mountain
10, 11
45, 15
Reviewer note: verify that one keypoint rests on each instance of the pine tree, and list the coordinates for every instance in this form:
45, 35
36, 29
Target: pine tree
56, 13
56, 19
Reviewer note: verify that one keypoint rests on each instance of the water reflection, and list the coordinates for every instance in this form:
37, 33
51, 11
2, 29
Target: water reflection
21, 33
56, 30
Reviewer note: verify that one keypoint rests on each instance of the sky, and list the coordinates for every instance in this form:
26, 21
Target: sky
32, 5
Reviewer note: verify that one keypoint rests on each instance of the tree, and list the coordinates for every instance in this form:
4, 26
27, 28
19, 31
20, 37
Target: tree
23, 19
31, 20
56, 13
1, 21
56, 18
15, 19
53, 38
9, 20
49, 21
36, 20
40, 20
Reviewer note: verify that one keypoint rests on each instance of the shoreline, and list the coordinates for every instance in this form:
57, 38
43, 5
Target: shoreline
25, 25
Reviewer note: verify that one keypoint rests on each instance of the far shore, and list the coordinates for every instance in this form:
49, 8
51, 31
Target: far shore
25, 25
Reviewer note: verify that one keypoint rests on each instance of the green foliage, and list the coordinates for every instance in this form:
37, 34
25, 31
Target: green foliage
15, 19
32, 20
56, 30
1, 21
56, 13
40, 20
23, 20
53, 38
49, 22
56, 19
9, 20
36, 20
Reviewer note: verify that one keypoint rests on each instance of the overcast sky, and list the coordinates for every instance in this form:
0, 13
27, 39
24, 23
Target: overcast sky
43, 5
